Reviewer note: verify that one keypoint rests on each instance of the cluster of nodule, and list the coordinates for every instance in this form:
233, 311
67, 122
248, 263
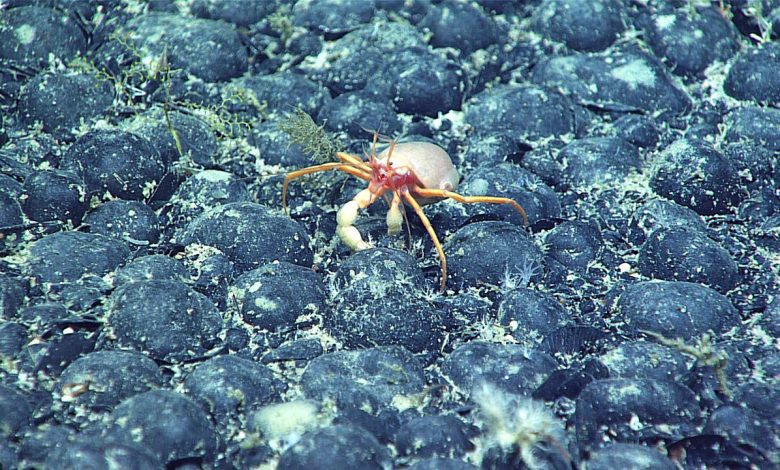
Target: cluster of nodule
140, 226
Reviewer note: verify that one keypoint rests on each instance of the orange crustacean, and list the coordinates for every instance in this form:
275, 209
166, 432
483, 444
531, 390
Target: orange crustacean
415, 173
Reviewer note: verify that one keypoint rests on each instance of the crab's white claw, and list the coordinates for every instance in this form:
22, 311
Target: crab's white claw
346, 217
351, 237
394, 218
348, 214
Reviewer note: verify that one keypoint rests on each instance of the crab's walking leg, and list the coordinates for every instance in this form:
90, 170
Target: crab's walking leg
416, 206
353, 160
443, 193
347, 215
345, 167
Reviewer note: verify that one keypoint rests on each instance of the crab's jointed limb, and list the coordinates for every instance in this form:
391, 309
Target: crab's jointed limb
441, 193
346, 217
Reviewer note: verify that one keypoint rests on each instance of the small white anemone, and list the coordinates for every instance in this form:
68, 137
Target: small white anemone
518, 424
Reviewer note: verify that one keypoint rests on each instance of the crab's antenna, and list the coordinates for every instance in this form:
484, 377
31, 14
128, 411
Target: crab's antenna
390, 151
382, 137
373, 146
387, 138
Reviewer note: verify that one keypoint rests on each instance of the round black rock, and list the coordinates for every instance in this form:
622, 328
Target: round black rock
15, 411
121, 163
303, 349
166, 319
754, 124
151, 267
370, 377
203, 190
628, 79
755, 75
13, 338
53, 195
195, 136
11, 216
599, 160
357, 111
606, 411
694, 174
459, 25
638, 130
133, 222
510, 367
761, 398
484, 252
250, 235
239, 13
170, 425
101, 453
575, 244
531, 315
274, 295
681, 254
69, 256
277, 148
421, 83
582, 26
646, 360
29, 34
229, 385
489, 149
391, 320
352, 71
12, 293
211, 50
434, 436
658, 214
753, 163
336, 447
689, 42
43, 315
527, 113
442, 463
770, 318
212, 276
102, 379
676, 309
332, 17
375, 274
285, 91
61, 102
741, 425
40, 443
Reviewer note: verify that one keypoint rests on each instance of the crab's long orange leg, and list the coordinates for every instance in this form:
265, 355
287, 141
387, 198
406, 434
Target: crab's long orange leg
345, 167
443, 193
353, 160
432, 233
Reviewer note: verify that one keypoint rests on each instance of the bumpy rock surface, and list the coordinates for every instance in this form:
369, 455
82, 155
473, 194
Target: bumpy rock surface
160, 308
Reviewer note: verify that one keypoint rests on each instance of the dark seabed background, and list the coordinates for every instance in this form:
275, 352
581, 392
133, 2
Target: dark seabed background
159, 309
